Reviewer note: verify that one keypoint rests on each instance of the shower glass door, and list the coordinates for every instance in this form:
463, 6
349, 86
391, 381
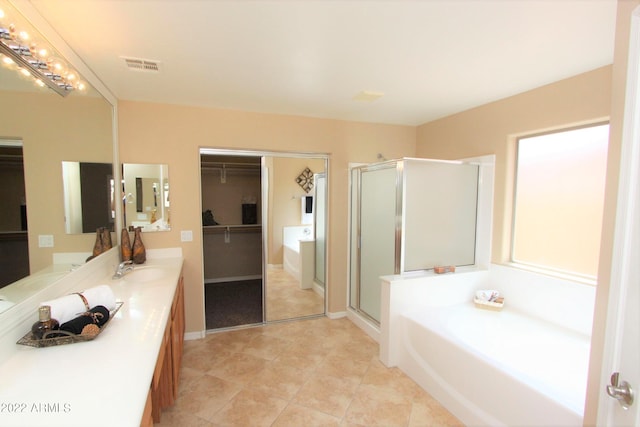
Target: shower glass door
375, 214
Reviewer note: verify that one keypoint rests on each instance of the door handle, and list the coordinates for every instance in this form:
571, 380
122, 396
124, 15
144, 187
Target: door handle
622, 392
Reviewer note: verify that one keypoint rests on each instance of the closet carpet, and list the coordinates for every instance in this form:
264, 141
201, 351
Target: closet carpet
230, 304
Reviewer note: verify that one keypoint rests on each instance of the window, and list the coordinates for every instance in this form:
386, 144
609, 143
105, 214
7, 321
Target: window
559, 197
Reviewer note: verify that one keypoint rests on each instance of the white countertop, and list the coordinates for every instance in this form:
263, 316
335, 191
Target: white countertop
103, 382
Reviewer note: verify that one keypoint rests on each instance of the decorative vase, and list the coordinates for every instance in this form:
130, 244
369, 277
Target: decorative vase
125, 246
106, 239
97, 247
139, 255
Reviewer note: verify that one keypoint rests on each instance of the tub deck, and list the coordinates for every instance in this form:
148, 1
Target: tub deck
528, 368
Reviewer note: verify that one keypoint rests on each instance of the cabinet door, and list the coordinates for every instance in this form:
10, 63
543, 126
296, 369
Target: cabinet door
161, 386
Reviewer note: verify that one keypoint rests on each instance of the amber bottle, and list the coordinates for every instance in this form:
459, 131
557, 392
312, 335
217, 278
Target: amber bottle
45, 323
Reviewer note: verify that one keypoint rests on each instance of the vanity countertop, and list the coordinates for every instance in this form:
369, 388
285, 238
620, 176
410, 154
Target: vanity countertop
103, 382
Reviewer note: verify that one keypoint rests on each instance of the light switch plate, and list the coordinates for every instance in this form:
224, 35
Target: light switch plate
45, 241
186, 236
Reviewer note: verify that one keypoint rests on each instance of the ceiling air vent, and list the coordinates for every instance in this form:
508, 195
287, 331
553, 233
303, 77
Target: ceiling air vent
368, 96
147, 65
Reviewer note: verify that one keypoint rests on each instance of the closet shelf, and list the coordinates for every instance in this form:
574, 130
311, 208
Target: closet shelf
13, 236
240, 228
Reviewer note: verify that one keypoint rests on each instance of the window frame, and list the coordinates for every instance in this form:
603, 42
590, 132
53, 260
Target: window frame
529, 266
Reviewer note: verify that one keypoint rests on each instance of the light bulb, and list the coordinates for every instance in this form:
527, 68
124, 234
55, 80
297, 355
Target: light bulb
6, 60
1, 13
81, 86
39, 82
71, 76
57, 66
25, 72
24, 35
43, 53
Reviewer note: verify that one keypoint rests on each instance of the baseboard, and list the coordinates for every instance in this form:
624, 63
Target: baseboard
318, 289
336, 315
198, 335
369, 328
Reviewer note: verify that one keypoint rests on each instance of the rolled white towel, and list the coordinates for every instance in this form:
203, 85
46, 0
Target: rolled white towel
100, 295
71, 306
487, 294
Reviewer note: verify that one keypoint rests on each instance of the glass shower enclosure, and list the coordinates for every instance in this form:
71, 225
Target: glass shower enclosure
408, 215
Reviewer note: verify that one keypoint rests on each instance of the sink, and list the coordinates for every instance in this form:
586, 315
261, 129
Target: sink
145, 274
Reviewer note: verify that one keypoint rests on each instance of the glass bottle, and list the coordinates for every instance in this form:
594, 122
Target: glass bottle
45, 324
139, 253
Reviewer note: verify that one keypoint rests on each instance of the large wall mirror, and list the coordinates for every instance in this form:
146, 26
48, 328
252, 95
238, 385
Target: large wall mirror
146, 202
39, 130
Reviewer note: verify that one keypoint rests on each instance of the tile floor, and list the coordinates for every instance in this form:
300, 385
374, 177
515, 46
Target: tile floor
285, 299
315, 372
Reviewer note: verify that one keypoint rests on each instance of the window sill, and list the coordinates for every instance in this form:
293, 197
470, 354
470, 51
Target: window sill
585, 280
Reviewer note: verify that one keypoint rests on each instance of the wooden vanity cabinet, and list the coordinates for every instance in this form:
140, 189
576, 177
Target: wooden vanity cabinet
177, 334
164, 385
147, 417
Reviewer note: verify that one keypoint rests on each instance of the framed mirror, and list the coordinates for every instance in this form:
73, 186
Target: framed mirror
50, 129
146, 201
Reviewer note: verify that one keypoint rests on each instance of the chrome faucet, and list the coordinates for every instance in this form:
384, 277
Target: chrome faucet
123, 268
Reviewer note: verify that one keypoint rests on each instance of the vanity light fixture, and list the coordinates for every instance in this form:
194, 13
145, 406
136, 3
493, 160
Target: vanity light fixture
30, 59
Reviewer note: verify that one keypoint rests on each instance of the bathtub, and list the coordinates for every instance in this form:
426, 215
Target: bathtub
298, 254
515, 367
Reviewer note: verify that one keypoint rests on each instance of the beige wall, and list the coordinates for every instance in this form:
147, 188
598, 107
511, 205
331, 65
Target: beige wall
161, 133
54, 129
493, 128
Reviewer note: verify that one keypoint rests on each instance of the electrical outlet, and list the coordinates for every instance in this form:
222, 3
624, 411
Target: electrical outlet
45, 241
186, 236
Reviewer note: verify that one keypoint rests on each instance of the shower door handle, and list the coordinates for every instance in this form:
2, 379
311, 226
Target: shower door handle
622, 392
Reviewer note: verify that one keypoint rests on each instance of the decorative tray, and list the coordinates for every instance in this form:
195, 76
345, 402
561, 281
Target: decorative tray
69, 338
489, 305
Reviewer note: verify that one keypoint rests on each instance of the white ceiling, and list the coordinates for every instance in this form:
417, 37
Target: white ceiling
430, 58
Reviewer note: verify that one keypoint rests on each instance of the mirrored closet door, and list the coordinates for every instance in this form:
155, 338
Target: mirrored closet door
264, 225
